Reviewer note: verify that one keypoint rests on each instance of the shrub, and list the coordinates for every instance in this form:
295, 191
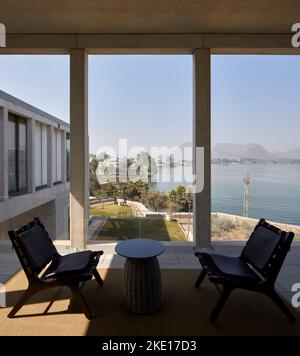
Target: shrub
222, 225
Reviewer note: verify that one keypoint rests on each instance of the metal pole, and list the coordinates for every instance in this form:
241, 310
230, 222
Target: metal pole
246, 181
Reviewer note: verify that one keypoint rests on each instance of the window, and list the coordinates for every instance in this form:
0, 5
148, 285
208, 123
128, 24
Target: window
137, 153
40, 155
255, 137
68, 157
17, 155
57, 156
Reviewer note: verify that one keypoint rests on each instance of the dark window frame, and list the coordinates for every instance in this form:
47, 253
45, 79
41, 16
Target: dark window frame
40, 187
17, 120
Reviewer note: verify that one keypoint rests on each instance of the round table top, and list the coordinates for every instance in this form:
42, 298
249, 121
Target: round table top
139, 248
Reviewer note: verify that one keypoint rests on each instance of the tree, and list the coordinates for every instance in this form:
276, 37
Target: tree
108, 190
123, 190
155, 199
173, 207
136, 190
182, 197
103, 156
100, 195
94, 184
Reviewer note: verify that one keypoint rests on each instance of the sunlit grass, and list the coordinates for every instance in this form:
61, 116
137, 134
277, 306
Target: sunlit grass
156, 229
110, 210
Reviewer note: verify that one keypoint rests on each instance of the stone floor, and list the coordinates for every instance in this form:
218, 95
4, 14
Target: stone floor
173, 258
9, 263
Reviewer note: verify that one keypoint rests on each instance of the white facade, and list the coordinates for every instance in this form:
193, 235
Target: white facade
40, 154
33, 168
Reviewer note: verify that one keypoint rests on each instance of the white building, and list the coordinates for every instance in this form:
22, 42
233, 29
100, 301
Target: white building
34, 173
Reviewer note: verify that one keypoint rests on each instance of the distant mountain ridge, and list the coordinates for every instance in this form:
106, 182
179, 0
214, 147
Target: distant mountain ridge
251, 151
292, 154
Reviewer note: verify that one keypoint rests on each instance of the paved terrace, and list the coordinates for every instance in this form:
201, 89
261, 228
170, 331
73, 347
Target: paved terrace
171, 259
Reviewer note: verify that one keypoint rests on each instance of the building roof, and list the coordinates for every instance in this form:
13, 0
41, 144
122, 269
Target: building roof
149, 16
12, 99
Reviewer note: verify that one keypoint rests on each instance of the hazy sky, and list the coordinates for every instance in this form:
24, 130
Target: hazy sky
148, 99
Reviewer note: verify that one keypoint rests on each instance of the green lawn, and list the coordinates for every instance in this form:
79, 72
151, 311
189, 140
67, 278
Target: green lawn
110, 210
156, 229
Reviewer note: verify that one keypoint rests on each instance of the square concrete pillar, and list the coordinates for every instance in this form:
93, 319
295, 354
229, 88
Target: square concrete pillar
31, 155
50, 158
3, 154
79, 148
202, 138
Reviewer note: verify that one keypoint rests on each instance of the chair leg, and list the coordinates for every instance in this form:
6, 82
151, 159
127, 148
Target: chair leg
223, 299
98, 277
81, 301
25, 297
281, 305
201, 277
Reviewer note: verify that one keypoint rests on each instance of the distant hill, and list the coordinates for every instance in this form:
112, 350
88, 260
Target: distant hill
237, 151
250, 150
292, 154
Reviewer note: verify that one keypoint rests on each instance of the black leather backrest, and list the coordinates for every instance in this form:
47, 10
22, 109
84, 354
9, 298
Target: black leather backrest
261, 247
37, 246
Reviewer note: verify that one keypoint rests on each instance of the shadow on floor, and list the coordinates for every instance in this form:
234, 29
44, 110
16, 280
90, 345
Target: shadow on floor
185, 311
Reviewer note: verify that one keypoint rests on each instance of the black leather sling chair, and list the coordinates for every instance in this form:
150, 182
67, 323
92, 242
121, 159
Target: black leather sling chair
256, 269
37, 253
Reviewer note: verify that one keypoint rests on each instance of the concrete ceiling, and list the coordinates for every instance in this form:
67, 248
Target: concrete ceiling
149, 16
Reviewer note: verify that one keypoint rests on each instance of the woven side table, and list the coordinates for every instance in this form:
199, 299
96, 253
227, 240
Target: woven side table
142, 287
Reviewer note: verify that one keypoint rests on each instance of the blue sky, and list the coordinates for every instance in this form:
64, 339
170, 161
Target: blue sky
256, 99
148, 99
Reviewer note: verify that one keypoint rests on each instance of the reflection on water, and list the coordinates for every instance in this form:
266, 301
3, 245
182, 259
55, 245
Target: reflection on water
274, 189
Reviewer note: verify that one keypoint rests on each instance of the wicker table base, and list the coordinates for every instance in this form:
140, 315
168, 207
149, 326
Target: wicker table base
142, 290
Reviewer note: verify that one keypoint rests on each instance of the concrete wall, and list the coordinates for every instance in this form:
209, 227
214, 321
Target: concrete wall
52, 214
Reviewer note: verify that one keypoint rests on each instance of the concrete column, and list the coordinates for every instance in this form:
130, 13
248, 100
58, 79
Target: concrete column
202, 138
31, 155
79, 182
62, 216
50, 142
3, 154
63, 157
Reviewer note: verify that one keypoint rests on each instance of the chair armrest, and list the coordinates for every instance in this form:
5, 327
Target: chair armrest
198, 254
95, 258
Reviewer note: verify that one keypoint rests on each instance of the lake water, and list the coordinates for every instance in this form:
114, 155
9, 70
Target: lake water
274, 191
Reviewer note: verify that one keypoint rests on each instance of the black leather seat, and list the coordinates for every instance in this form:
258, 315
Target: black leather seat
231, 267
74, 263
